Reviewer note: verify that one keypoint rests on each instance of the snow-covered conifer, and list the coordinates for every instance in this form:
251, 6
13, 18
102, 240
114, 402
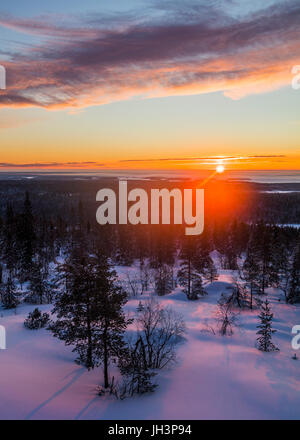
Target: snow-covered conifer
265, 332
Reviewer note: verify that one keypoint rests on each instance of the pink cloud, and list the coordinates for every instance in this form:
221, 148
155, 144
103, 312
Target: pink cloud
83, 65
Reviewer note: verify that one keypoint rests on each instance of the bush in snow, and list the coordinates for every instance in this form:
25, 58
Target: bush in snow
36, 320
137, 377
133, 284
239, 296
225, 316
159, 331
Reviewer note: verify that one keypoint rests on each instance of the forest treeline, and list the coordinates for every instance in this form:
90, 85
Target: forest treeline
264, 254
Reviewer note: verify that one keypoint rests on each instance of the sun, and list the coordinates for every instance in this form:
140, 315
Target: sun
220, 169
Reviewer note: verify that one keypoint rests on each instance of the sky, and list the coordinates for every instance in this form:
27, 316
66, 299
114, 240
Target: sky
149, 84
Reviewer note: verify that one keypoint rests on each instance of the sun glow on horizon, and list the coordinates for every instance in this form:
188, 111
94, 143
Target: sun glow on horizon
220, 169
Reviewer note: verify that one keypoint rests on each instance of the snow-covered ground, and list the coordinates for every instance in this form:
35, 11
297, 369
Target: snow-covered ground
216, 377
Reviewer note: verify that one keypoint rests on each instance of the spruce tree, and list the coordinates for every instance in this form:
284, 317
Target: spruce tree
265, 331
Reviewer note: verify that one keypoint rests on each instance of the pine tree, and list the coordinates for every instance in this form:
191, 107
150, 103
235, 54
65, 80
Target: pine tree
81, 216
220, 240
231, 251
265, 331
189, 275
89, 312
9, 239
38, 285
26, 239
211, 273
163, 280
124, 254
240, 232
225, 243
267, 257
293, 291
261, 258
251, 272
202, 260
285, 257
238, 297
9, 294
142, 238
162, 246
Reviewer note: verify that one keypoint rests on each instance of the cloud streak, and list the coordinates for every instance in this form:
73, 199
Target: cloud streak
209, 158
198, 49
51, 165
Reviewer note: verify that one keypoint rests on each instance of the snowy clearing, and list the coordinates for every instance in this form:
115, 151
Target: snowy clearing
217, 377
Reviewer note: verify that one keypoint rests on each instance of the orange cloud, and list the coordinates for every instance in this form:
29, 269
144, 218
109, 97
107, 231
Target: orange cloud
94, 65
